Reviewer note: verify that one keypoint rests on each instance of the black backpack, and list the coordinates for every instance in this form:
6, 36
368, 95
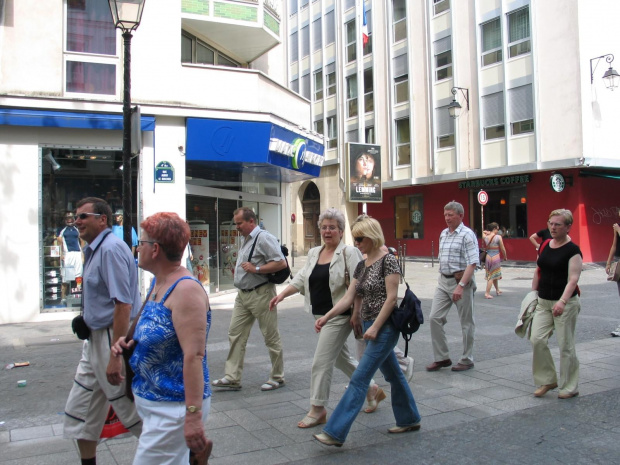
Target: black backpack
279, 276
407, 316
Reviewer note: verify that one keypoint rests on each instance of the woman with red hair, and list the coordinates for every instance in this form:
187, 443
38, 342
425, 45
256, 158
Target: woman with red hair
171, 381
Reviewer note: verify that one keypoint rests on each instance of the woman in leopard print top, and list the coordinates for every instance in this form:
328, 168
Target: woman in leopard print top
376, 281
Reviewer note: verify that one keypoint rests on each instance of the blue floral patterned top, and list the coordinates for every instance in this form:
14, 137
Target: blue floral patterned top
157, 360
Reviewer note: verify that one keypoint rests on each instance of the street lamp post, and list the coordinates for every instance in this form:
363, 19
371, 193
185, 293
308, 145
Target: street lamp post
455, 107
126, 15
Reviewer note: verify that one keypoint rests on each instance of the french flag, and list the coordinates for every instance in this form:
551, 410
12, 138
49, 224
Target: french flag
364, 25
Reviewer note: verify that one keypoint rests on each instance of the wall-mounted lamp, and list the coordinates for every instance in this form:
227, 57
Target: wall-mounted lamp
611, 78
55, 165
523, 200
502, 202
455, 107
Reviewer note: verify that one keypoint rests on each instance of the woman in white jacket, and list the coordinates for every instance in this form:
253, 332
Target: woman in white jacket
324, 281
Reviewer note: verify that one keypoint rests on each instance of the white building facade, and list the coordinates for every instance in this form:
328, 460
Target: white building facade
217, 131
528, 76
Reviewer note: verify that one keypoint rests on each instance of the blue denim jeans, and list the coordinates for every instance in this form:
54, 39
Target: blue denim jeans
379, 354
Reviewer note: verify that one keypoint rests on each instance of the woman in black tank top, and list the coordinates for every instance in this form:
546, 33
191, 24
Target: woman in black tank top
555, 279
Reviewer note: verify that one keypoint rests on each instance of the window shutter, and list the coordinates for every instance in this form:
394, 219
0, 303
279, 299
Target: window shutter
521, 103
400, 65
305, 41
369, 21
445, 124
305, 86
519, 24
352, 136
294, 47
330, 68
330, 29
442, 45
491, 35
349, 4
493, 108
317, 38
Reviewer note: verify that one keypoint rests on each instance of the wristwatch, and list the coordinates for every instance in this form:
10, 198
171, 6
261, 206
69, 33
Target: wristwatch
257, 269
193, 409
462, 285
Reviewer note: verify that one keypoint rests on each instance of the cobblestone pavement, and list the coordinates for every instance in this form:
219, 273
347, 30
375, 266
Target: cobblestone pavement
484, 415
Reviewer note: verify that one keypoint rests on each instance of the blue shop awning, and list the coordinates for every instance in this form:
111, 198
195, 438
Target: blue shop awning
277, 152
68, 119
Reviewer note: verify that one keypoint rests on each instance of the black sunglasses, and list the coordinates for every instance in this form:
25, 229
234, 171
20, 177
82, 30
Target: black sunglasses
359, 239
83, 216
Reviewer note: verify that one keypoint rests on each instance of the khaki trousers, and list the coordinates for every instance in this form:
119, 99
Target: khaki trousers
251, 306
442, 303
331, 350
543, 325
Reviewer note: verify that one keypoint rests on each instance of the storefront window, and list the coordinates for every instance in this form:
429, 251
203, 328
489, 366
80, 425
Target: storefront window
409, 215
507, 207
69, 175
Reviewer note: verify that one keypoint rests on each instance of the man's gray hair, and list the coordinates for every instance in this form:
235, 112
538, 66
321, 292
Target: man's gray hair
332, 214
455, 207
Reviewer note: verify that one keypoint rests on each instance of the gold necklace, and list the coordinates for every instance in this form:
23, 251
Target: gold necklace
154, 295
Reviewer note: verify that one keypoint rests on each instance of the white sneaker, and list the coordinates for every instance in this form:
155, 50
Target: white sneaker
616, 332
409, 371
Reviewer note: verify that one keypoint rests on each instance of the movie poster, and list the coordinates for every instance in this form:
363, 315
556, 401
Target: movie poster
364, 173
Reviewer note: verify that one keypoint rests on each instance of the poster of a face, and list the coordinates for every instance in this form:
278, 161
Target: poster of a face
364, 173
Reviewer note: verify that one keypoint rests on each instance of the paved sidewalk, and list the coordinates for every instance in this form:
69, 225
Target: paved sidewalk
485, 415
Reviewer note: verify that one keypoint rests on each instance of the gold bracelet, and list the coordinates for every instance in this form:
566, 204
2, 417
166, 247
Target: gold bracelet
563, 301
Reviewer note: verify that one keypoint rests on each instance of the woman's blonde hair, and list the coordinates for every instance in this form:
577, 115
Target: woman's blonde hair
568, 216
368, 227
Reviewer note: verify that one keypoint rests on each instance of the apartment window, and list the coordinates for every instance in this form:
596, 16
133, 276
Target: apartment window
409, 216
319, 126
368, 47
519, 32
90, 31
521, 109
401, 79
439, 6
303, 4
332, 132
305, 86
493, 116
294, 47
369, 102
330, 28
295, 85
305, 41
292, 7
330, 79
445, 128
317, 35
399, 18
491, 36
352, 135
369, 135
318, 85
193, 50
349, 4
403, 142
352, 96
351, 41
443, 58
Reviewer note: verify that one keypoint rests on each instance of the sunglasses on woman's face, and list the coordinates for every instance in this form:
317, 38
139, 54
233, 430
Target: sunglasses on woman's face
359, 239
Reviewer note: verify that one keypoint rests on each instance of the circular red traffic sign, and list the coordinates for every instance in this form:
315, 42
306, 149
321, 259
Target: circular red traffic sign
483, 197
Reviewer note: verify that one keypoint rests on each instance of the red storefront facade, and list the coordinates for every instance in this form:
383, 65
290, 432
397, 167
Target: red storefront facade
521, 201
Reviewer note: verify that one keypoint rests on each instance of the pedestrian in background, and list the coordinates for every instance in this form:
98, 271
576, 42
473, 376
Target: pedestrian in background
614, 255
252, 302
458, 260
555, 279
494, 244
111, 298
376, 280
543, 234
171, 376
323, 281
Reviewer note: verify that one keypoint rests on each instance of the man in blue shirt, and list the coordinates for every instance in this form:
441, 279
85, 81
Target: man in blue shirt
117, 229
111, 298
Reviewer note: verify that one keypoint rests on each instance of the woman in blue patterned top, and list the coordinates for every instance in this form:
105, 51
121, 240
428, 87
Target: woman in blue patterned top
171, 382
